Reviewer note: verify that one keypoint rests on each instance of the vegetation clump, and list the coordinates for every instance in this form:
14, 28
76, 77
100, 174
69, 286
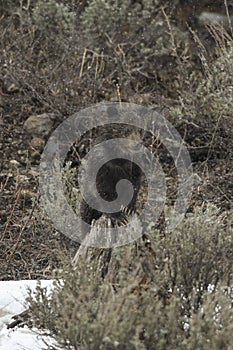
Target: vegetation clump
173, 293
53, 16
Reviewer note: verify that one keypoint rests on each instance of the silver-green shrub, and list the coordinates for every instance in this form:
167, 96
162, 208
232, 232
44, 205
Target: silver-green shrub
53, 17
213, 96
109, 16
174, 294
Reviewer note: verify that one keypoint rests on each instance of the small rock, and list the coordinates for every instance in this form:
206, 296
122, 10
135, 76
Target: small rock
37, 143
33, 172
106, 340
9, 86
22, 178
29, 195
39, 125
15, 163
12, 88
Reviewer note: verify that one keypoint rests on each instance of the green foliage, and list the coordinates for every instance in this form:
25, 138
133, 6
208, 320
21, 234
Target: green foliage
53, 17
171, 295
213, 96
216, 91
135, 37
105, 16
211, 327
109, 16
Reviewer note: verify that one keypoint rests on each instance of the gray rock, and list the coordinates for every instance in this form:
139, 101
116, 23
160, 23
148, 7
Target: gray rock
39, 125
37, 143
14, 163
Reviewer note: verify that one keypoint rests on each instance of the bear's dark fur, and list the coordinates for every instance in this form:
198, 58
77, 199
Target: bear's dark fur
107, 178
110, 173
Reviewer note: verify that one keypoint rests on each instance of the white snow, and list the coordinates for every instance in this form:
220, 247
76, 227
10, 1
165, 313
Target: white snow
12, 298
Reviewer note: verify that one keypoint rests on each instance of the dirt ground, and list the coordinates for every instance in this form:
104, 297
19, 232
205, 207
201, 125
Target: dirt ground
30, 247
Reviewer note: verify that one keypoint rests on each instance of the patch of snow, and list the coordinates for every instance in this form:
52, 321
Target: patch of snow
12, 299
